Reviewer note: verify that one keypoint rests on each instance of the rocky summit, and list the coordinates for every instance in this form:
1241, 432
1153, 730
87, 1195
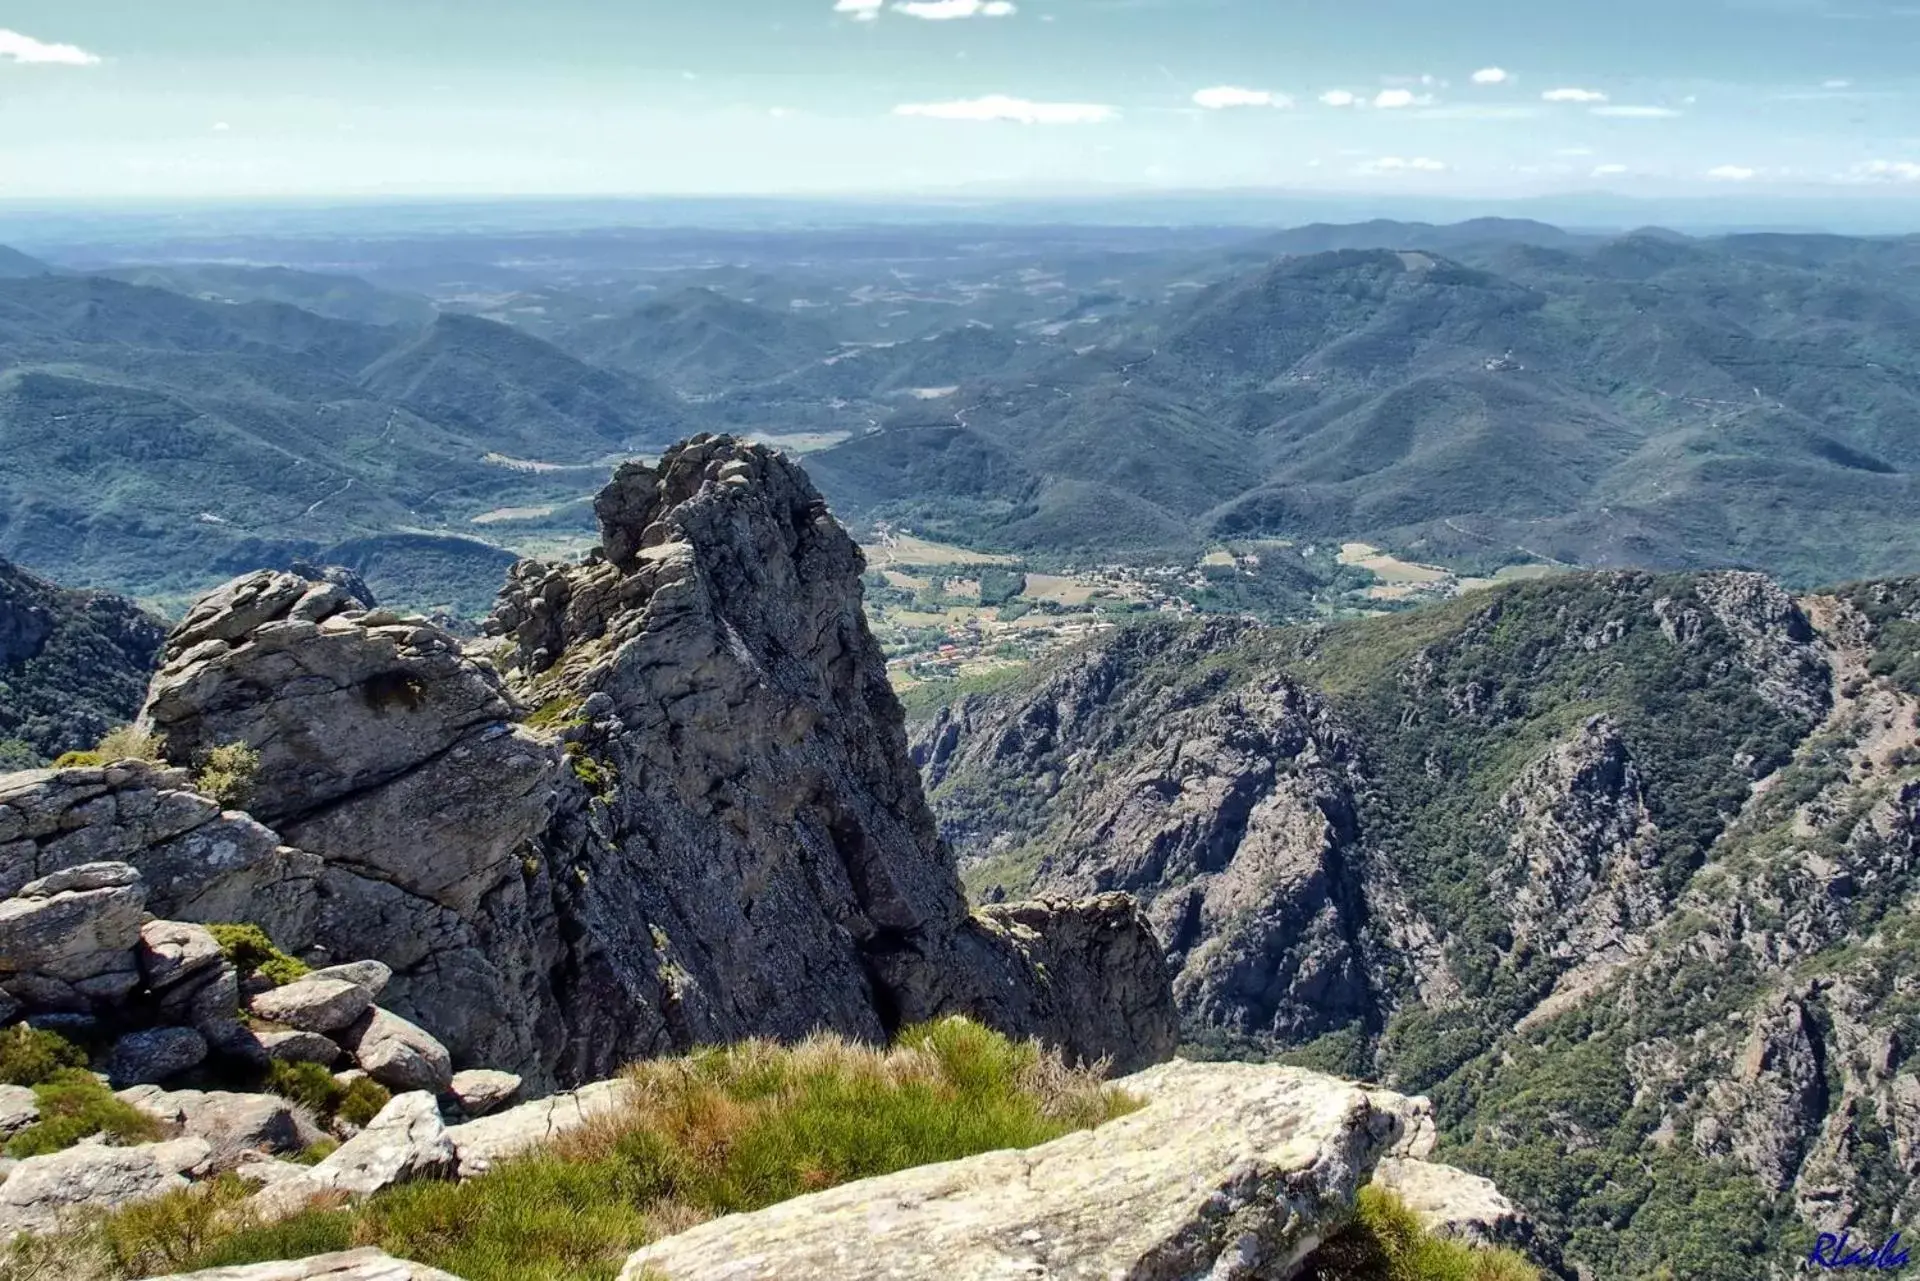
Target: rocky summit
668, 803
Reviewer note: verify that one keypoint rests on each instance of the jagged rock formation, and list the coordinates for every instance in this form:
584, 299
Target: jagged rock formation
72, 666
1667, 823
744, 840
670, 804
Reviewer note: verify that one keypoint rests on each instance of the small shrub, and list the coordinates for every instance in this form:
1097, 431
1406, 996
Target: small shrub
131, 743
73, 1106
307, 1084
252, 952
361, 1101
29, 1056
78, 760
228, 772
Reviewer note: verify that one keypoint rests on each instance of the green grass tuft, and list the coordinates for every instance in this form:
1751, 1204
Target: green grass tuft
1385, 1242
73, 1106
253, 953
29, 1055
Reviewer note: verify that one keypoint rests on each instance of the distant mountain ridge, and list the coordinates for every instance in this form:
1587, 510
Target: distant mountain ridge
1642, 400
154, 442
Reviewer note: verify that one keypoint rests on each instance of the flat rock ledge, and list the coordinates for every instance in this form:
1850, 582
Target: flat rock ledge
1231, 1172
353, 1265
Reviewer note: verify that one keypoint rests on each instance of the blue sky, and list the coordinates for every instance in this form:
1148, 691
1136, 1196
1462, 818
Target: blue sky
1458, 97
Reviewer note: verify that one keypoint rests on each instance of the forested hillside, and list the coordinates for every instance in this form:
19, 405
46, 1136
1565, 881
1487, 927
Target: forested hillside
1618, 867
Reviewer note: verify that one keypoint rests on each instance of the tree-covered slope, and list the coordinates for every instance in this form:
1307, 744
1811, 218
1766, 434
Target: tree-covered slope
72, 666
1618, 867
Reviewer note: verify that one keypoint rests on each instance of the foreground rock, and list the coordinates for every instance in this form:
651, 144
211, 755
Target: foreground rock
404, 1143
353, 1265
1231, 1172
1452, 1203
42, 1191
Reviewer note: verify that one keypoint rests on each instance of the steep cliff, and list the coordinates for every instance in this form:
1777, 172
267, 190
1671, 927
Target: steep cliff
1618, 867
668, 804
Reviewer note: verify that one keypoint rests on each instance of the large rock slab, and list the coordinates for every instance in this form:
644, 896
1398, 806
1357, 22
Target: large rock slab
43, 1190
405, 1142
353, 1265
67, 940
1453, 1203
1232, 1172
313, 1005
483, 1143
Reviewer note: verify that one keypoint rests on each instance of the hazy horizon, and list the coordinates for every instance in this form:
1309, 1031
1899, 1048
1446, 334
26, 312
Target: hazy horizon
1730, 99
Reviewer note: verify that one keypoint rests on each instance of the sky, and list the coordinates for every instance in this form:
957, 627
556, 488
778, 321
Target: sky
1498, 98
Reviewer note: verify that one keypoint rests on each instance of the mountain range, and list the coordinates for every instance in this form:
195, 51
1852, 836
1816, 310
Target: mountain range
1641, 401
1488, 393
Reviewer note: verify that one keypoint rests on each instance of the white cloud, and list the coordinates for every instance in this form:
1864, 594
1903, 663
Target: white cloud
1340, 98
1395, 164
1836, 84
862, 10
1394, 99
1574, 95
15, 47
1888, 170
221, 126
943, 10
1222, 97
1609, 171
1574, 151
1625, 112
1019, 110
1732, 173
1491, 76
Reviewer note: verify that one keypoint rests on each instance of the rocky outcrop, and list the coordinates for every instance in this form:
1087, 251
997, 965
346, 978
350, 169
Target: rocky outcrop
1230, 1171
389, 758
1233, 824
669, 804
1453, 1203
1580, 873
744, 843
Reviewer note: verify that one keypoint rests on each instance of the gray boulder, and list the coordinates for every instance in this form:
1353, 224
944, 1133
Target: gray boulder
398, 1054
1453, 1203
19, 1108
481, 1090
171, 951
230, 1122
66, 940
299, 1047
371, 975
484, 1143
405, 1142
43, 1190
151, 1056
313, 1005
